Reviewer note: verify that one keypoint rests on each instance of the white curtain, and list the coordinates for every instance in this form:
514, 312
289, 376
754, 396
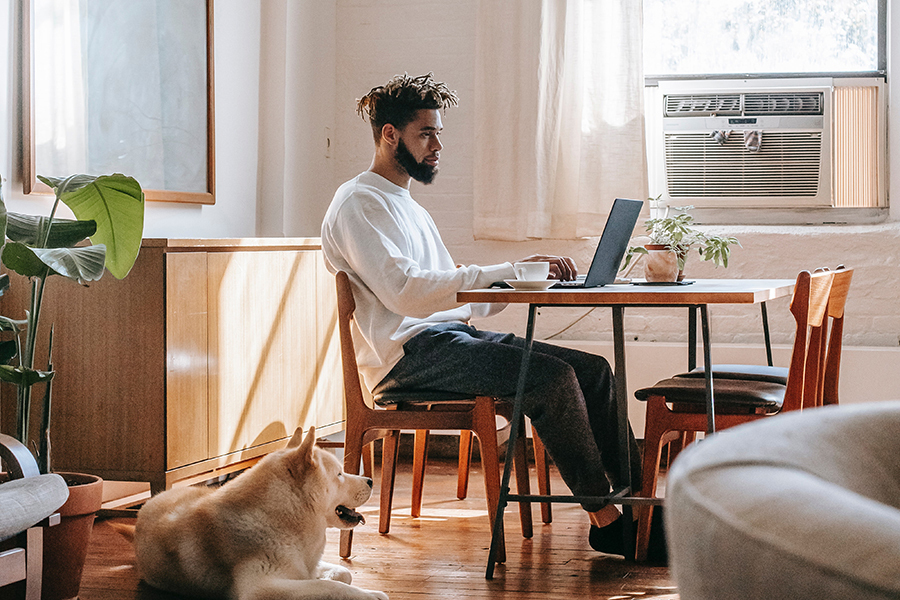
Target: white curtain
559, 130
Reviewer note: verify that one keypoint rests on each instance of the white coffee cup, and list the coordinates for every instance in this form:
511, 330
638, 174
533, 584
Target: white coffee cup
532, 271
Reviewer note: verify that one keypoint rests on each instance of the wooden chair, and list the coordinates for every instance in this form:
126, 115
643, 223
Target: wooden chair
420, 411
779, 374
28, 503
811, 379
836, 301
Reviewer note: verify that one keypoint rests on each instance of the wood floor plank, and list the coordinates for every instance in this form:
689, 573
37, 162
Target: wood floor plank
442, 554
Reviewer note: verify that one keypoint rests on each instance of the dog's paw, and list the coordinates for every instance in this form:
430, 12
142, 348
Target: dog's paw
334, 572
378, 595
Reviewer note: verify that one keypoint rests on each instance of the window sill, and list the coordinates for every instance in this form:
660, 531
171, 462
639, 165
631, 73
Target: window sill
790, 216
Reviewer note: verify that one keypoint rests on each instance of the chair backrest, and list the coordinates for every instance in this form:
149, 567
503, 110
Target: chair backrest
354, 400
807, 372
836, 302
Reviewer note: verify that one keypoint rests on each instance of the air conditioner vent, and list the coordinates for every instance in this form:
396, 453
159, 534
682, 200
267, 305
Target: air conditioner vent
787, 164
792, 103
691, 105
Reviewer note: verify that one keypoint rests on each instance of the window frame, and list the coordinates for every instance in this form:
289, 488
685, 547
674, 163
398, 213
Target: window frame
881, 71
742, 215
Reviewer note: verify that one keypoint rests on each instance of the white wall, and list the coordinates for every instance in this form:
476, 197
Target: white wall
375, 42
354, 45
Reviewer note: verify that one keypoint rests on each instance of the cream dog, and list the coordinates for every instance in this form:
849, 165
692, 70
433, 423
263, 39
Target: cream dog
260, 536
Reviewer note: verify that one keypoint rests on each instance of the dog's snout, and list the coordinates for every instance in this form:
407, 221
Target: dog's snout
369, 481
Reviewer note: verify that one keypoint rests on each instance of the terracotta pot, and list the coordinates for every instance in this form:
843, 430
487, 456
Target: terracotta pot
66, 544
660, 264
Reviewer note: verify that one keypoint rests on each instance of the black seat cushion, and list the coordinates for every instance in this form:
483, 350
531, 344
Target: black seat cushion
749, 372
403, 396
727, 392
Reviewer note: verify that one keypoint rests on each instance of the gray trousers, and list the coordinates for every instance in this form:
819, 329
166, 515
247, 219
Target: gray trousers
570, 396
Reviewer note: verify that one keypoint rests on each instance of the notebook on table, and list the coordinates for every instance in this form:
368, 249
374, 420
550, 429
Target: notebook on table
611, 248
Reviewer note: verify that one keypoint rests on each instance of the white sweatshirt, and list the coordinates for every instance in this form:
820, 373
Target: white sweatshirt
404, 279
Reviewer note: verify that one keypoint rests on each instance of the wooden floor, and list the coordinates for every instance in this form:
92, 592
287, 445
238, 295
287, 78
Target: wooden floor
442, 554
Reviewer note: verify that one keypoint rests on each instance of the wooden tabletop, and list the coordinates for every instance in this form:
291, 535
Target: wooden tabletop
702, 291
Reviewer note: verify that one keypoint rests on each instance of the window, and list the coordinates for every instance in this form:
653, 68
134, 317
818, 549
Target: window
717, 37
718, 72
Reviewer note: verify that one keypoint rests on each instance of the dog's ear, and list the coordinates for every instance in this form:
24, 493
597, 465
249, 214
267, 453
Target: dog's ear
304, 453
296, 439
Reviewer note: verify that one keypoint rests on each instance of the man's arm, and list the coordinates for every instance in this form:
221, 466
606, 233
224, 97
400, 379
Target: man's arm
378, 250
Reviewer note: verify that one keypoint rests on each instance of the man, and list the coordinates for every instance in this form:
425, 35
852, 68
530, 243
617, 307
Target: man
412, 333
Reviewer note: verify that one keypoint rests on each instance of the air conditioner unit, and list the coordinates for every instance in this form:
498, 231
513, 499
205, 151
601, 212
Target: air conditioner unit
710, 155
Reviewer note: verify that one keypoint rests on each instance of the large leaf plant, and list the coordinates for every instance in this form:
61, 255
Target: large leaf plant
109, 211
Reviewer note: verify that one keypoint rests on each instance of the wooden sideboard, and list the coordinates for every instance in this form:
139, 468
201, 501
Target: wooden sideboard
205, 358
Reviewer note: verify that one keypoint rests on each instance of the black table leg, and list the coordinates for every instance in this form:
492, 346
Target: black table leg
765, 324
707, 361
618, 317
497, 530
692, 338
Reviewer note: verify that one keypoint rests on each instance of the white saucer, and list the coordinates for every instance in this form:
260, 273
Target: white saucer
540, 284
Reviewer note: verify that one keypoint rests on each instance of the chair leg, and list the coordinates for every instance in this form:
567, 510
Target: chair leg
352, 451
655, 437
420, 457
465, 461
485, 427
543, 475
368, 459
388, 472
523, 482
34, 554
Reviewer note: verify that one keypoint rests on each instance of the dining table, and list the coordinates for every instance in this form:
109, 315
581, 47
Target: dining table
695, 295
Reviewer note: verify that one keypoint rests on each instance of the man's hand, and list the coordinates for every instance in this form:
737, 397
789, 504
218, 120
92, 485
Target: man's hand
561, 267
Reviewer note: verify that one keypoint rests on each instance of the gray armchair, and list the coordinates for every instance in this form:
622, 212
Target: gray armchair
803, 506
28, 501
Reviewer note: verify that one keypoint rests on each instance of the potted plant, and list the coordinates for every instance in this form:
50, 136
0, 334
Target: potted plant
105, 235
668, 241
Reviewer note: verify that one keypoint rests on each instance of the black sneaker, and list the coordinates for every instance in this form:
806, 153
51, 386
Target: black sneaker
608, 539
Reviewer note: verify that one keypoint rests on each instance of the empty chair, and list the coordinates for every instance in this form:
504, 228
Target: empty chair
678, 404
775, 374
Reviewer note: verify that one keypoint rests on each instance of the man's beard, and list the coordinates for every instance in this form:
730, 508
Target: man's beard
420, 171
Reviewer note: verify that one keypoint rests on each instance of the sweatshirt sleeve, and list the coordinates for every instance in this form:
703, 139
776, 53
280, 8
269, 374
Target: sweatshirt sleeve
412, 273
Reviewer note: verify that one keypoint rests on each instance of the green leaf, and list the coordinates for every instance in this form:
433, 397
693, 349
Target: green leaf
64, 233
22, 376
4, 283
21, 259
116, 203
71, 183
80, 264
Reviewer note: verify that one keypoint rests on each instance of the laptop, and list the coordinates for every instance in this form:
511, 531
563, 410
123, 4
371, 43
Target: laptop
612, 246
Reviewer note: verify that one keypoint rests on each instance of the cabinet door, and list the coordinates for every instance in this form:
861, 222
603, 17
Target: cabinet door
262, 346
187, 403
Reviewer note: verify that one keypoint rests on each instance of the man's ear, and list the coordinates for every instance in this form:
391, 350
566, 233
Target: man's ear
390, 135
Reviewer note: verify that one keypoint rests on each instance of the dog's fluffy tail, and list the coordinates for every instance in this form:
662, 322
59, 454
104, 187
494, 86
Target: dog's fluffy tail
127, 531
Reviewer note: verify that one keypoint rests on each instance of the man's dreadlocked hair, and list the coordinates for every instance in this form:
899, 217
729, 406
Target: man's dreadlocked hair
397, 101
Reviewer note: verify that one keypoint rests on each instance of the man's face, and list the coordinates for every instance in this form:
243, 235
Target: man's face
419, 146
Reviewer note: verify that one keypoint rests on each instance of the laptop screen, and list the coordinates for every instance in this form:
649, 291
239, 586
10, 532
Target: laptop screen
613, 242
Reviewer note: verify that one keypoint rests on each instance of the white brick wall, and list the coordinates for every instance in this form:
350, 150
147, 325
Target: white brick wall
376, 40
